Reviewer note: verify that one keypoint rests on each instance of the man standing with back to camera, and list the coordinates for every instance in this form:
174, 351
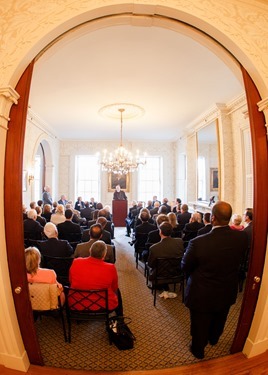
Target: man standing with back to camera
211, 262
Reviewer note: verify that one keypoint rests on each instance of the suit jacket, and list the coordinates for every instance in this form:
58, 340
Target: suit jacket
167, 248
69, 231
33, 229
79, 205
92, 273
211, 263
183, 218
82, 251
55, 248
87, 212
153, 237
190, 230
141, 235
41, 220
46, 198
207, 228
120, 195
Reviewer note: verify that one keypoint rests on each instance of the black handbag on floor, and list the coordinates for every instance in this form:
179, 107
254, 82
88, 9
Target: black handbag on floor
119, 332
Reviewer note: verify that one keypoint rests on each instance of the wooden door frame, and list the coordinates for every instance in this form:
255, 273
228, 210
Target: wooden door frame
13, 218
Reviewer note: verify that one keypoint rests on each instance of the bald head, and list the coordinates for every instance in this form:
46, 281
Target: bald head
221, 213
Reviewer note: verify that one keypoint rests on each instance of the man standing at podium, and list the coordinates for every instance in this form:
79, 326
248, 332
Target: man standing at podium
119, 195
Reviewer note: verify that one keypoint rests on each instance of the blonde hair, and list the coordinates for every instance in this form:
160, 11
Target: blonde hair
236, 219
172, 218
32, 259
60, 209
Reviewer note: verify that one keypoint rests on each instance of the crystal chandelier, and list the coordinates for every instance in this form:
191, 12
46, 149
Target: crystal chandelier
121, 161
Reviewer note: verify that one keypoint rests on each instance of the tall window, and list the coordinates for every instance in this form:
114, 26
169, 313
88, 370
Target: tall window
87, 181
201, 165
150, 179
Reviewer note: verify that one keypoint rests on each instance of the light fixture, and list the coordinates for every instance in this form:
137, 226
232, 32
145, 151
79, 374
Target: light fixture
121, 161
30, 178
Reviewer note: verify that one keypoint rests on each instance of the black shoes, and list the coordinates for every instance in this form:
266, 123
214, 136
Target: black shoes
197, 354
213, 342
127, 235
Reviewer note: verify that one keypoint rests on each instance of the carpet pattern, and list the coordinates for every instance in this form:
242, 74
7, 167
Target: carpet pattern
162, 332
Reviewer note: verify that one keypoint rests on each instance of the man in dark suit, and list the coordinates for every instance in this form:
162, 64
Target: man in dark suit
87, 211
212, 263
32, 228
168, 247
68, 230
183, 217
119, 194
154, 236
165, 203
53, 246
142, 231
208, 226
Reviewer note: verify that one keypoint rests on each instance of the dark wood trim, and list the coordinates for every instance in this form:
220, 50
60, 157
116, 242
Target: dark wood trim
13, 217
260, 218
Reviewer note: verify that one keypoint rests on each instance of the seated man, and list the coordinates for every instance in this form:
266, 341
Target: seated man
142, 231
168, 247
93, 273
95, 234
32, 228
68, 230
53, 246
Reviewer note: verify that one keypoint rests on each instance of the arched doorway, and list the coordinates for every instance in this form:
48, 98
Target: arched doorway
16, 166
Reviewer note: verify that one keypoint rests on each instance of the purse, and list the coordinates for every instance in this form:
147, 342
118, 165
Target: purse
119, 332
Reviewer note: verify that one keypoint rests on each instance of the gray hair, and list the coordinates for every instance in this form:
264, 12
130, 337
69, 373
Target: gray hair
98, 250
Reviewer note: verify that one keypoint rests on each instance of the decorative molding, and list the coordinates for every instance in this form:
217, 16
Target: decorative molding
263, 107
39, 123
8, 97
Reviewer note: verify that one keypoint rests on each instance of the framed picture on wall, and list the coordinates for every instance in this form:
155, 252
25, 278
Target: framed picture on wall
115, 179
24, 180
214, 179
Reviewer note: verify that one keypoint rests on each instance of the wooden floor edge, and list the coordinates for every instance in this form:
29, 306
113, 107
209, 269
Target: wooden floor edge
232, 364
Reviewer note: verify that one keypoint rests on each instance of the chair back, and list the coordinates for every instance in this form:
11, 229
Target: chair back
168, 271
86, 303
61, 265
43, 297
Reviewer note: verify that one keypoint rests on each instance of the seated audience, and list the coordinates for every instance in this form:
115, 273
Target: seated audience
79, 204
58, 217
40, 203
155, 209
36, 274
236, 221
108, 216
183, 217
149, 205
168, 247
40, 218
93, 273
208, 226
47, 212
190, 230
32, 228
68, 230
109, 225
53, 246
155, 200
172, 218
76, 215
32, 205
106, 235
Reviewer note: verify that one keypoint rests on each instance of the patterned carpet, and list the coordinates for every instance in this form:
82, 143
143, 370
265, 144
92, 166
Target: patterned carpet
162, 332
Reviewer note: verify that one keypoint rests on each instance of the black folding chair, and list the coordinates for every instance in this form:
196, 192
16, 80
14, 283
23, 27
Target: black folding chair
86, 305
167, 271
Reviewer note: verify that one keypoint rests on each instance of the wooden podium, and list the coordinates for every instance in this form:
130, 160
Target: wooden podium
119, 212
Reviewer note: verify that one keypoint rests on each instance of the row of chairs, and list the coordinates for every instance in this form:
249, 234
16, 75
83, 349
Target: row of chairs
80, 305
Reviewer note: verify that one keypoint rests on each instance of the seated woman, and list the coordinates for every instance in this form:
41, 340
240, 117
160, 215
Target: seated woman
236, 221
35, 274
58, 216
172, 218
